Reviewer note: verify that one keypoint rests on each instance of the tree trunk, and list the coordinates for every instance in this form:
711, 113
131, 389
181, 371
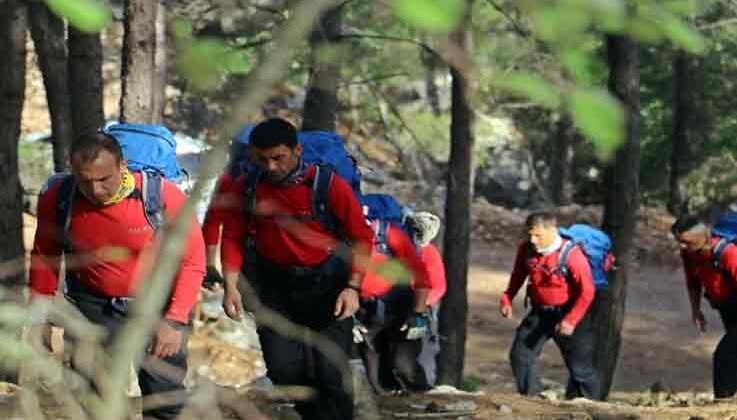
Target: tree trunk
137, 65
12, 88
48, 35
85, 81
321, 101
621, 203
456, 240
682, 112
560, 164
160, 69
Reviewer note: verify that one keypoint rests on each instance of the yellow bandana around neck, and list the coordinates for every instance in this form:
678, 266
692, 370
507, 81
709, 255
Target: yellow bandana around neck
127, 185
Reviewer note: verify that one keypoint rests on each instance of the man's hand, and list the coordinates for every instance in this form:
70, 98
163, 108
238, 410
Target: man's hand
565, 328
232, 302
212, 278
417, 326
167, 341
505, 307
699, 320
347, 303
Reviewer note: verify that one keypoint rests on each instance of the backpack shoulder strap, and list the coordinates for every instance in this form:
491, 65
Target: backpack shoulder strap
718, 252
320, 192
565, 252
249, 193
382, 236
153, 204
64, 198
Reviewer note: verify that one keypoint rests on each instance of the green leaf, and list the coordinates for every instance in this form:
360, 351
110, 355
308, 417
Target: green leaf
643, 29
679, 32
560, 23
599, 117
86, 15
531, 86
579, 65
205, 61
431, 15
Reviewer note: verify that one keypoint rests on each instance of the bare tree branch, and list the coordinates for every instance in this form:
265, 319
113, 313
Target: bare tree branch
518, 27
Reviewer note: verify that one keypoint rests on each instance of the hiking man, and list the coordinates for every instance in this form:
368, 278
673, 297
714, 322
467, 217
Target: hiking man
107, 243
289, 247
710, 264
394, 311
560, 309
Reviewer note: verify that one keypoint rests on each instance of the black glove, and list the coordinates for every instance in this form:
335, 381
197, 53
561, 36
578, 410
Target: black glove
212, 278
417, 326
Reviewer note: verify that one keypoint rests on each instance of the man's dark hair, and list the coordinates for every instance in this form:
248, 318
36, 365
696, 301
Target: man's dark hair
542, 218
272, 133
685, 224
87, 147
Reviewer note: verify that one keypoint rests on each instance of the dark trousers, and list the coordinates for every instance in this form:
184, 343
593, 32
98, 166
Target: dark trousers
307, 299
392, 362
577, 350
725, 354
160, 380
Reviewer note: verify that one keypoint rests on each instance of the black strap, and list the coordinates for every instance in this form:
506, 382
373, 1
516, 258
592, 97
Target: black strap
65, 197
563, 258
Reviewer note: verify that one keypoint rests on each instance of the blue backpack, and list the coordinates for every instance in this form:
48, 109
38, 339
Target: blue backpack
387, 211
149, 149
595, 245
239, 153
726, 229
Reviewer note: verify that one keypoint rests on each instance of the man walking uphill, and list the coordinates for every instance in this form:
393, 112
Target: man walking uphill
710, 264
285, 239
560, 309
105, 212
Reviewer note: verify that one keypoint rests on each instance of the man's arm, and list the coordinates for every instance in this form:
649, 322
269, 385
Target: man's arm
186, 286
582, 283
347, 210
46, 253
408, 254
516, 280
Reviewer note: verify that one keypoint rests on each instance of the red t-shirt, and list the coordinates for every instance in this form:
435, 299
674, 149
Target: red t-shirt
404, 251
282, 239
112, 246
700, 272
436, 273
547, 286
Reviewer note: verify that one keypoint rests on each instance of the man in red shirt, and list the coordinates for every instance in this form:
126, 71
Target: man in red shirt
107, 245
289, 247
391, 306
713, 276
560, 309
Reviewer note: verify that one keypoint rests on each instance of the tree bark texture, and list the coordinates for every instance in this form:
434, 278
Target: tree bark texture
321, 100
13, 27
160, 65
682, 112
561, 161
456, 239
621, 203
138, 61
85, 81
48, 33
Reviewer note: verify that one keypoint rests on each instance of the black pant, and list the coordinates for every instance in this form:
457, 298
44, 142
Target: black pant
577, 350
307, 299
392, 361
155, 376
725, 354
